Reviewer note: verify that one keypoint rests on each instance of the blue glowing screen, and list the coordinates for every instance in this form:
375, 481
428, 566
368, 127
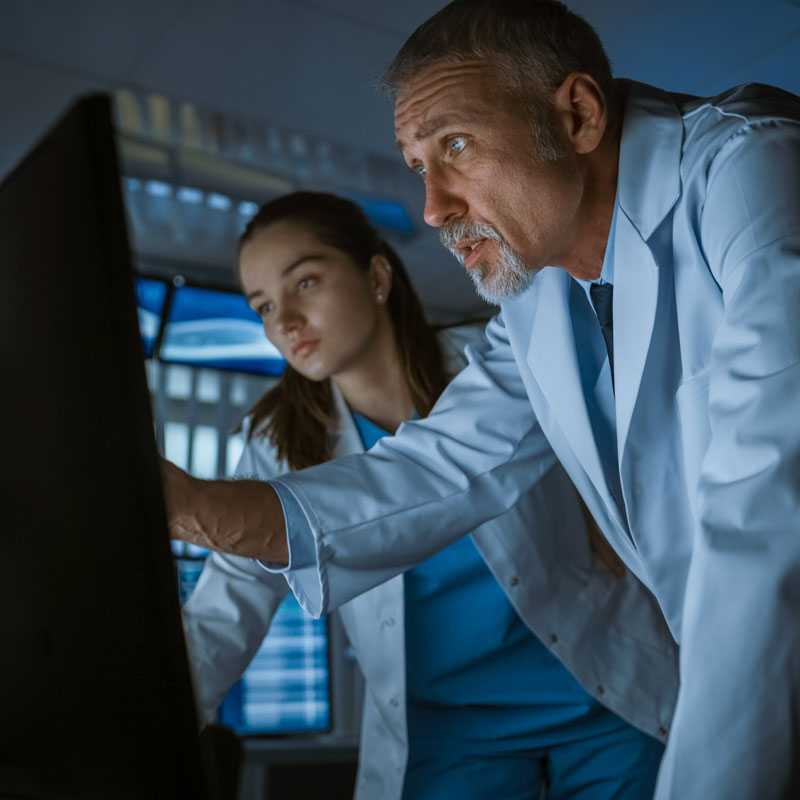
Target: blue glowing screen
286, 688
150, 296
385, 213
217, 329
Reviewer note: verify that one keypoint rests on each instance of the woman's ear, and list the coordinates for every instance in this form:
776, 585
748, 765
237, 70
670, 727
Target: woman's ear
380, 274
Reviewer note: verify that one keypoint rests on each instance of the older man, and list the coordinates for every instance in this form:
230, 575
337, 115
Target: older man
671, 402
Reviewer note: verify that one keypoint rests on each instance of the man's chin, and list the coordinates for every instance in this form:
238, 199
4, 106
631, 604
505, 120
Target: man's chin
500, 286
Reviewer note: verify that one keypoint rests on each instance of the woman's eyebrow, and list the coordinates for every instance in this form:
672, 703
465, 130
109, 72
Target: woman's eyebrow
302, 260
286, 271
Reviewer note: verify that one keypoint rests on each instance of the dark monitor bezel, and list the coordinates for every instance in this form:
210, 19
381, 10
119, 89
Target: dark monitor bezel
95, 687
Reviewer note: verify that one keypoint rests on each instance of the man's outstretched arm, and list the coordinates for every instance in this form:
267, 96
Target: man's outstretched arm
242, 517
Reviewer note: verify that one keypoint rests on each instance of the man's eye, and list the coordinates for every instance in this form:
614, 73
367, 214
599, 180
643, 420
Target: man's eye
457, 144
264, 309
420, 170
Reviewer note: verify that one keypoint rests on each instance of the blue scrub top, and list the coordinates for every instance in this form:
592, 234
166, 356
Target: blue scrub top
473, 668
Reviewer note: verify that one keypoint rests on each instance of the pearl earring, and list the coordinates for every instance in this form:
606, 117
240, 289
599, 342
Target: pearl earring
379, 297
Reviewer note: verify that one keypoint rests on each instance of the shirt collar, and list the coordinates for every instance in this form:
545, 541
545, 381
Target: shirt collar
607, 272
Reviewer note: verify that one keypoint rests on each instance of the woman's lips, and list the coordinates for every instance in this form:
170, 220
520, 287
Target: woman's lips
305, 348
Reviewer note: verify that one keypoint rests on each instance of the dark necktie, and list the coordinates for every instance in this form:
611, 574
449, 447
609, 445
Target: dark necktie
602, 300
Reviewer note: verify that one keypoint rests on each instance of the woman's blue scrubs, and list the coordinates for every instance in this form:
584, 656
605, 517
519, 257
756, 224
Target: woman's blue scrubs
492, 714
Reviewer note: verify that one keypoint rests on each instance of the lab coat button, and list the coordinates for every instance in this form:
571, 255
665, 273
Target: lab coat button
601, 690
514, 581
662, 730
394, 702
388, 622
553, 638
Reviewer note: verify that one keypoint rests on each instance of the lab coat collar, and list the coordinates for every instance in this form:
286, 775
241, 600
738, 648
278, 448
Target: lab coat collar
346, 439
648, 188
649, 176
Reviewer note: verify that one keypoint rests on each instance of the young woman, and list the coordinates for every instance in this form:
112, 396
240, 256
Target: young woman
463, 698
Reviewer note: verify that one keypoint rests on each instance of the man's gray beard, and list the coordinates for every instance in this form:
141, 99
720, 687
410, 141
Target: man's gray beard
509, 279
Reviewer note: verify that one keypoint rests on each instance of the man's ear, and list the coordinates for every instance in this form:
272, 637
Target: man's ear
582, 109
380, 273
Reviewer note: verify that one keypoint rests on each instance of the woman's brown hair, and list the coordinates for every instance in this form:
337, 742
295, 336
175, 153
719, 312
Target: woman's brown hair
297, 413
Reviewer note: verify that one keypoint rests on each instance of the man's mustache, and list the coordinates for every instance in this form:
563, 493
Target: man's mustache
452, 232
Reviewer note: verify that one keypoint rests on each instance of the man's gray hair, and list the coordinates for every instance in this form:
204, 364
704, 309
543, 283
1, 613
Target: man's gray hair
533, 44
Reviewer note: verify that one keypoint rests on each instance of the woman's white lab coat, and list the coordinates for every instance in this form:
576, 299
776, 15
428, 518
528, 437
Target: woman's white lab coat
608, 631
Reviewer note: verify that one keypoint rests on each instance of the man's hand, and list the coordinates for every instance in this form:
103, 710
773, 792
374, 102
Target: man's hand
244, 518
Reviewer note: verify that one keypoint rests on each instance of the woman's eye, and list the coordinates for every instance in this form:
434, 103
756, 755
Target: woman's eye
306, 283
264, 309
457, 144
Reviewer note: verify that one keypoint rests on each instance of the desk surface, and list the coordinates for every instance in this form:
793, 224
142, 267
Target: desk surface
297, 749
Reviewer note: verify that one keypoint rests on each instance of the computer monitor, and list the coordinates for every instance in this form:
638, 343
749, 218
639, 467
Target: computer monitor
95, 694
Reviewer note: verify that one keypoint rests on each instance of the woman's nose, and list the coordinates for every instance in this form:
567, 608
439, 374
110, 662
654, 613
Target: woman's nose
289, 319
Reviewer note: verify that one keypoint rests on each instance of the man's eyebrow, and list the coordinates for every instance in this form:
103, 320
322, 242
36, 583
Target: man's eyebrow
286, 270
432, 126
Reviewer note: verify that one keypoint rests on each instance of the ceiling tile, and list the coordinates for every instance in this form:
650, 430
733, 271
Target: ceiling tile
31, 98
102, 37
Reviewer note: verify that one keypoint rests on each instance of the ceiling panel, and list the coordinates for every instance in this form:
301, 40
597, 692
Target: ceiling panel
32, 97
101, 37
284, 62
400, 18
308, 64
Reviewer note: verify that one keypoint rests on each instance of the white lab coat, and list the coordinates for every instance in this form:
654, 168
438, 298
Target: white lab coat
707, 371
608, 631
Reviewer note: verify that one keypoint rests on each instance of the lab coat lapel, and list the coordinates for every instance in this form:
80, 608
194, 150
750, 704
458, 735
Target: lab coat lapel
648, 187
553, 361
345, 436
635, 297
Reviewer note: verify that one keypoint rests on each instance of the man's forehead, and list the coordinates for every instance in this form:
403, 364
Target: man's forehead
436, 95
436, 78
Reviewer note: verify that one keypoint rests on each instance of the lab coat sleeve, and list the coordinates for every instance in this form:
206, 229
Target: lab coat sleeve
736, 731
232, 606
374, 515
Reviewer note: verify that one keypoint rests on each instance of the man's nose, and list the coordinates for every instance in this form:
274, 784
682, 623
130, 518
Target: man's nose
442, 199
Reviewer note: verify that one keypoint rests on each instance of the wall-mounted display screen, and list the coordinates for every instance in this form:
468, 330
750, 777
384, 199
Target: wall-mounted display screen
387, 214
217, 329
286, 687
150, 297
